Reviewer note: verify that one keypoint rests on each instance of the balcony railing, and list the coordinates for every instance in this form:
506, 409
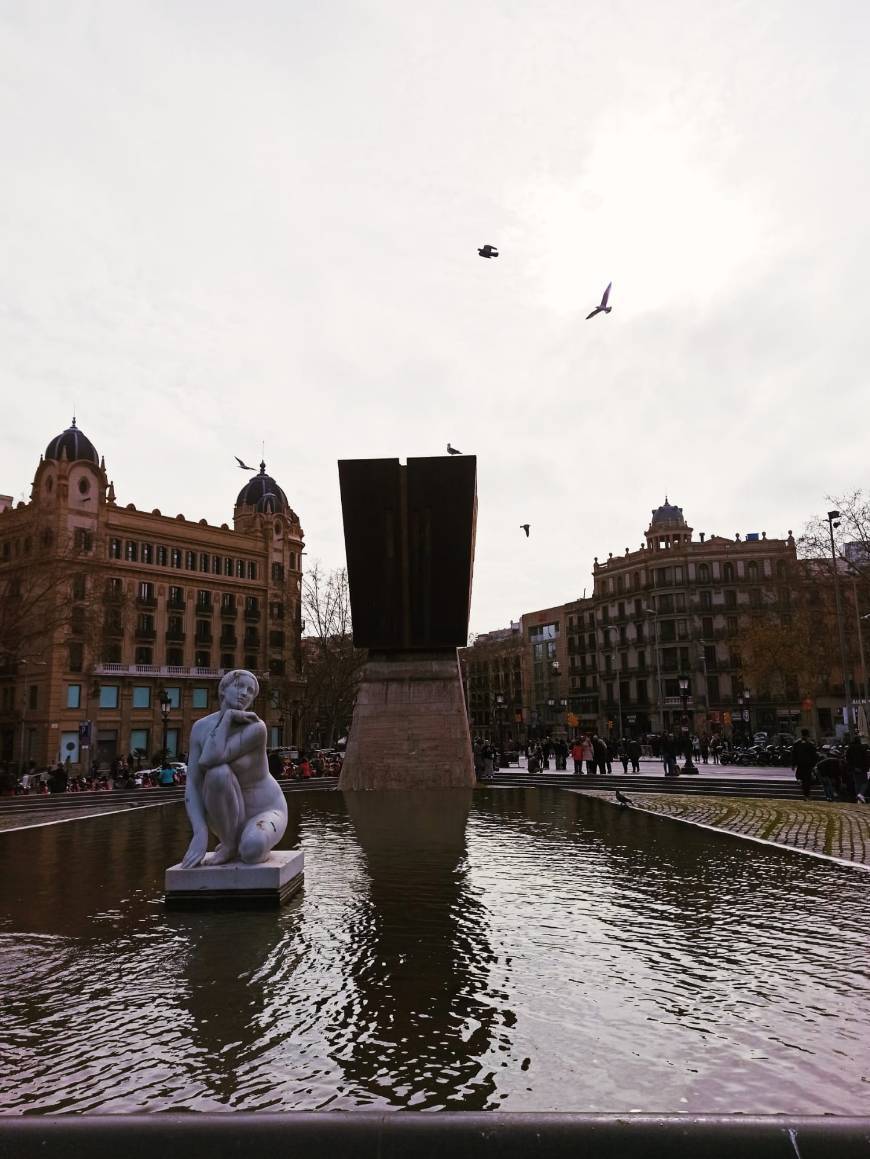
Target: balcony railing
252, 615
146, 601
176, 671
146, 634
175, 634
228, 611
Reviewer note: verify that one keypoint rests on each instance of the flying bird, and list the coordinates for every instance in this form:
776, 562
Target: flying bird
602, 307
623, 800
244, 466
488, 251
525, 528
452, 450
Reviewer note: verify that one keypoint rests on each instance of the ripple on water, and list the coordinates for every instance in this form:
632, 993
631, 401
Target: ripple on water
525, 950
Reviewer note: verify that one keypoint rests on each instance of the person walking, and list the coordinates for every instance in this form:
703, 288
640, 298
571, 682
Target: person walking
858, 762
705, 749
715, 746
577, 757
669, 755
804, 758
623, 755
599, 748
588, 755
634, 754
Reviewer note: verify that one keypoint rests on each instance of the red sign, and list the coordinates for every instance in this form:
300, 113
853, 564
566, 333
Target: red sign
807, 704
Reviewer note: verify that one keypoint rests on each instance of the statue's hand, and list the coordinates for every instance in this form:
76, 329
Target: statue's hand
196, 850
238, 716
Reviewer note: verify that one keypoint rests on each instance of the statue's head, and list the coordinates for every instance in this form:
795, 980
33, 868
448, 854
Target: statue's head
238, 689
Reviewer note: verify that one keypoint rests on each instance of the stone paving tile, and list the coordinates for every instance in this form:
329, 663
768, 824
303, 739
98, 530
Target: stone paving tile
838, 829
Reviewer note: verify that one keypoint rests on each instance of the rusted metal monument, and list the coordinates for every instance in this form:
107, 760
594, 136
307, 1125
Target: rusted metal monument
409, 535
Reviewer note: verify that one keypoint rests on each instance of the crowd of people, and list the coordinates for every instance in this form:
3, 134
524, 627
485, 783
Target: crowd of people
842, 771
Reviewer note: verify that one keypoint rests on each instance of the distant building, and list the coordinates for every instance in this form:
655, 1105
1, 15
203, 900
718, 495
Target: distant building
129, 604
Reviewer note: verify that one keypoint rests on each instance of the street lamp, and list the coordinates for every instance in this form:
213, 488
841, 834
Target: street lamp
690, 766
615, 659
499, 707
834, 521
165, 709
281, 730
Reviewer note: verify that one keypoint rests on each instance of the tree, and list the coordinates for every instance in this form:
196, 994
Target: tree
332, 666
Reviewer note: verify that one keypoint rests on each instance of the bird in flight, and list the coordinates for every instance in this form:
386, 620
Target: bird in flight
602, 307
488, 251
525, 528
452, 450
244, 466
623, 800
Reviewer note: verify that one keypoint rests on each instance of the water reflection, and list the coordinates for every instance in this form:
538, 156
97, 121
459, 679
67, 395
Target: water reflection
419, 1016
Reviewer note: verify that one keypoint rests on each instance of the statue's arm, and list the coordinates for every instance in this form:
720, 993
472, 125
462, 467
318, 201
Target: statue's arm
194, 804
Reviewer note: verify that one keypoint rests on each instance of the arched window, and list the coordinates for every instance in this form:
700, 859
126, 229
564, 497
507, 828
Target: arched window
703, 573
780, 569
728, 573
753, 570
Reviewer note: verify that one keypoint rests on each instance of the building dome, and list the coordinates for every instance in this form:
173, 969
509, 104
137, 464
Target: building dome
263, 494
668, 514
73, 445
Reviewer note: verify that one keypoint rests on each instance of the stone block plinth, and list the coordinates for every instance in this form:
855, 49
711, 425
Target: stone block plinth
237, 885
410, 727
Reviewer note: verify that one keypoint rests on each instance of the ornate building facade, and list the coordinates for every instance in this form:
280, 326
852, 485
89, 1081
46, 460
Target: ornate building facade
107, 610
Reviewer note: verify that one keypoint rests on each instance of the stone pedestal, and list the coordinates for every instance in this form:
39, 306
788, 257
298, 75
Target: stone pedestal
236, 885
410, 728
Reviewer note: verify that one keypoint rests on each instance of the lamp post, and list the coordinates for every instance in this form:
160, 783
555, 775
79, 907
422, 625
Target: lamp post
281, 723
165, 709
689, 766
618, 695
834, 521
651, 612
499, 708
743, 700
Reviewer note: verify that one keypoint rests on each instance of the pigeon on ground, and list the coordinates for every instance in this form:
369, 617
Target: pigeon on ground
602, 307
525, 528
488, 251
452, 450
244, 466
623, 800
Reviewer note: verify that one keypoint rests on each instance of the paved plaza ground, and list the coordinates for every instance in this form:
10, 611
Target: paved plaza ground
833, 828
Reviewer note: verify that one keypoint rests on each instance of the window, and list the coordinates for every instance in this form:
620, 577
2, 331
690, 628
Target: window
111, 654
174, 695
161, 555
277, 571
84, 541
252, 570
728, 573
73, 696
33, 696
731, 624
203, 561
139, 741
131, 551
141, 696
228, 660
203, 602
76, 657
202, 659
175, 557
752, 571
147, 553
707, 627
713, 695
109, 695
114, 549
190, 560
228, 566
276, 611
145, 593
228, 603
144, 655
175, 598
250, 661
174, 657
252, 604
199, 698
175, 628
731, 598
77, 620
703, 573
240, 569
78, 587
672, 688
216, 565
706, 600
203, 630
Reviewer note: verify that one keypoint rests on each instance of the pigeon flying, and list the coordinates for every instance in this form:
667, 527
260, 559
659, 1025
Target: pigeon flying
488, 251
525, 527
452, 450
602, 308
623, 800
244, 466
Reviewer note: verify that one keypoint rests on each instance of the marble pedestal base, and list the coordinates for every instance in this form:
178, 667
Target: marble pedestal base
236, 885
410, 727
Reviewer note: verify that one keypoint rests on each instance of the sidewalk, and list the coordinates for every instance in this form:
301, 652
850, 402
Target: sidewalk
652, 767
832, 828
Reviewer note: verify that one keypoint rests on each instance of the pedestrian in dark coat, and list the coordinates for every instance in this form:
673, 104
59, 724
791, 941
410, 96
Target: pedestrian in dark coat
804, 757
599, 747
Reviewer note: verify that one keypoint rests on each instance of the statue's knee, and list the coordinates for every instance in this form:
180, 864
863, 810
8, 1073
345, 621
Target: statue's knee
217, 780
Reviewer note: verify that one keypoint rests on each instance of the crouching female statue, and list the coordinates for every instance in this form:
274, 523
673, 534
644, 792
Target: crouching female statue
229, 787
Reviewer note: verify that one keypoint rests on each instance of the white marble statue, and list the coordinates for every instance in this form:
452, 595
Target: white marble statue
229, 787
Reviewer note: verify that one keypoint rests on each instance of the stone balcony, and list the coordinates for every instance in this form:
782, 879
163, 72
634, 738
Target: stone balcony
168, 671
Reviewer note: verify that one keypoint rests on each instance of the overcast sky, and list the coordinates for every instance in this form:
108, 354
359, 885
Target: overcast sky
223, 223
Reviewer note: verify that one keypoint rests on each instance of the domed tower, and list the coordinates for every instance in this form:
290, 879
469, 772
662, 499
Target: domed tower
668, 528
71, 477
262, 510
